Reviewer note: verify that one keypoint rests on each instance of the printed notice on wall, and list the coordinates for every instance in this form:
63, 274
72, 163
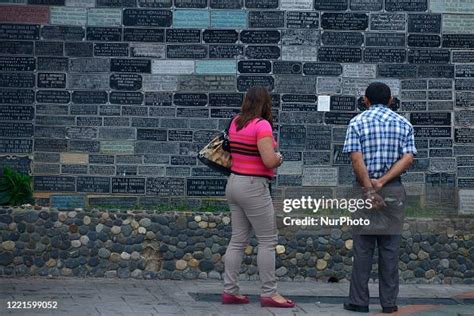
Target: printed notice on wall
323, 103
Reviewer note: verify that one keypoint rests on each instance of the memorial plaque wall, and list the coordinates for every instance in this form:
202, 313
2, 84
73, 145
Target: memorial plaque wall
132, 84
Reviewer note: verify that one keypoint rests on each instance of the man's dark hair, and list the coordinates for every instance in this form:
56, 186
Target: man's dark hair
378, 93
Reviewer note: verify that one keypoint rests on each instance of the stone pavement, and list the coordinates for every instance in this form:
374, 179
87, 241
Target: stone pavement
76, 296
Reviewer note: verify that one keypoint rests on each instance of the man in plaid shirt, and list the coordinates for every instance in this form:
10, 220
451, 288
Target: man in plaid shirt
381, 147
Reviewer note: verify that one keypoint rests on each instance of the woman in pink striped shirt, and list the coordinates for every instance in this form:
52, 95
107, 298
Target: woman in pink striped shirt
248, 194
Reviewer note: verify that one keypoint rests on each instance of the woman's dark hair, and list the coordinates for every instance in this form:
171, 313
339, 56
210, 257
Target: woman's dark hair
378, 93
257, 103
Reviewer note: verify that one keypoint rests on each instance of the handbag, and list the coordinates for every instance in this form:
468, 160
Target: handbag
216, 154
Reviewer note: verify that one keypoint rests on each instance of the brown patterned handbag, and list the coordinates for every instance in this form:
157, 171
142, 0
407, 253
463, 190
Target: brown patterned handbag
216, 154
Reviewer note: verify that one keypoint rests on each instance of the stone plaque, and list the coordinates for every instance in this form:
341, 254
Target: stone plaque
93, 184
104, 17
177, 135
128, 185
441, 152
295, 84
465, 161
160, 83
464, 99
104, 34
342, 103
440, 71
458, 40
260, 36
429, 56
205, 187
216, 67
143, 35
464, 135
463, 71
385, 39
357, 86
339, 157
331, 5
88, 81
233, 19
338, 118
165, 186
305, 98
15, 129
51, 64
52, 80
463, 56
67, 201
16, 48
247, 81
190, 99
152, 134
261, 4
18, 146
220, 36
199, 19
340, 54
442, 165
287, 67
384, 55
54, 183
413, 84
192, 51
226, 51
266, 19
318, 138
89, 97
440, 95
424, 23
53, 96
292, 137
316, 176
301, 53
406, 5
190, 3
427, 132
129, 82
78, 49
359, 71
130, 65
17, 80
254, 66
19, 32
158, 98
183, 36
211, 83
322, 69
366, 5
300, 37
464, 84
424, 40
329, 85
172, 67
397, 71
342, 38
229, 4
388, 22
225, 99
116, 3
10, 63
45, 48
89, 65
68, 16
296, 4
117, 97
147, 17
458, 23
64, 33
344, 21
316, 158
302, 20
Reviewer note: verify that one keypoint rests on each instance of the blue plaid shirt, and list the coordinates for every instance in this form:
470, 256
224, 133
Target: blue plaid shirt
382, 136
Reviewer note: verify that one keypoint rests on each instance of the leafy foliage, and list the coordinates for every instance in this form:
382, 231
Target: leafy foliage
15, 188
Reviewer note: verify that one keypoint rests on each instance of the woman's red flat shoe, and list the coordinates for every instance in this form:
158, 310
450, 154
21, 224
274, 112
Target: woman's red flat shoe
232, 299
268, 301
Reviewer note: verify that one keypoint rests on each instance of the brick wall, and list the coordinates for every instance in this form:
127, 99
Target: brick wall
115, 97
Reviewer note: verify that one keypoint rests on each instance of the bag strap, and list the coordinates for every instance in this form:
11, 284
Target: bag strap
228, 126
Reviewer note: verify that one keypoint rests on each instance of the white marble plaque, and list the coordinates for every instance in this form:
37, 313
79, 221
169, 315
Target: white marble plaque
356, 87
324, 103
320, 177
67, 16
296, 5
359, 71
104, 17
458, 23
172, 67
80, 3
452, 6
160, 83
442, 165
148, 50
329, 85
300, 53
466, 201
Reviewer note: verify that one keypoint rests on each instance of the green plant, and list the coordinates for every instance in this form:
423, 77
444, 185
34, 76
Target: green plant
15, 188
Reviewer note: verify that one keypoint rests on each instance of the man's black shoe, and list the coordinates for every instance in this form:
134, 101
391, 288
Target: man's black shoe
389, 310
356, 308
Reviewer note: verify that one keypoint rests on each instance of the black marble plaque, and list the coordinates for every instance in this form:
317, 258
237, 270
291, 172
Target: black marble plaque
413, 84
104, 34
190, 99
430, 118
228, 4
52, 80
388, 22
463, 71
322, 69
463, 56
440, 95
10, 63
165, 186
424, 40
246, 82
53, 64
384, 55
441, 152
427, 132
225, 99
183, 36
89, 97
429, 56
129, 82
63, 33
318, 138
226, 51
292, 137
158, 98
465, 161
342, 103
406, 5
458, 41
152, 134
344, 21
262, 52
465, 99
17, 80
331, 5
53, 96
261, 4
287, 67
342, 38
111, 49
78, 49
116, 3
220, 36
465, 183
16, 47
47, 48
117, 97
317, 157
15, 129
266, 19
128, 185
424, 23
440, 71
385, 39
205, 187
298, 106
302, 20
305, 98
464, 84
179, 135
93, 184
464, 135
192, 112
19, 31
260, 36
366, 5
192, 51
254, 66
54, 183
397, 71
18, 146
17, 163
130, 65
190, 3
338, 118
340, 54
339, 157
16, 113
147, 17
143, 35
